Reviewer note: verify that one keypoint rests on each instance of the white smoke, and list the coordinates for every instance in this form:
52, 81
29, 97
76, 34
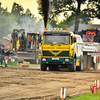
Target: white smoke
25, 22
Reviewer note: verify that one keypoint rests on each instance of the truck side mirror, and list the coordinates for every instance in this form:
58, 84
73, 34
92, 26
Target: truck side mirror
74, 39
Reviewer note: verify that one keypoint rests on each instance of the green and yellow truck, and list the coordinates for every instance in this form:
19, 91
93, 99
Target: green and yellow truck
61, 49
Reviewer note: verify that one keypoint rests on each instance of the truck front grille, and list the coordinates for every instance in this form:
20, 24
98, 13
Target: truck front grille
63, 53
55, 62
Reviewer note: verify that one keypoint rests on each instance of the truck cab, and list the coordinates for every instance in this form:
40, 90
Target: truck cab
32, 41
26, 45
91, 39
59, 49
91, 46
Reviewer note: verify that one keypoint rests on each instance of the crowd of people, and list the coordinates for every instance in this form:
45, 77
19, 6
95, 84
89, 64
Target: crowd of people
5, 54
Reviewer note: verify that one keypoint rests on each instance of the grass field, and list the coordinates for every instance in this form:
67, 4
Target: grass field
88, 96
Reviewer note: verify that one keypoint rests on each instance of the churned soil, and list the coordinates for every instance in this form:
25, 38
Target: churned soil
30, 83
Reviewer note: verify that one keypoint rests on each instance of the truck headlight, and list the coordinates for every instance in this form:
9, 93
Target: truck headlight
67, 60
43, 59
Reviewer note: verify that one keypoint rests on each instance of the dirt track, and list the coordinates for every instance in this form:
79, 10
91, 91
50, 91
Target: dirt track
29, 83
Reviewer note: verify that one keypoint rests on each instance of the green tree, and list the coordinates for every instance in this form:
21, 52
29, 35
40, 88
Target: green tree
62, 24
15, 19
17, 10
4, 25
84, 19
64, 6
28, 12
93, 9
73, 6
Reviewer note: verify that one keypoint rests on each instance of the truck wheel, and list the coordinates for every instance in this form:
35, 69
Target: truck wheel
50, 67
73, 66
43, 67
80, 68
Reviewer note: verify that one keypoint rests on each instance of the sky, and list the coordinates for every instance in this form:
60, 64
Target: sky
32, 5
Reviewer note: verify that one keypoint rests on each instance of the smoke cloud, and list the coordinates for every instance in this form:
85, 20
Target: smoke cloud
8, 23
17, 19
45, 10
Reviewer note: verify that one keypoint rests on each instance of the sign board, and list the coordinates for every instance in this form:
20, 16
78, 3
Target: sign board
94, 54
90, 48
90, 33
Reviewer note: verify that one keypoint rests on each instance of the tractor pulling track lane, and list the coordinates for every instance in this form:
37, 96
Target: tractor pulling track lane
30, 83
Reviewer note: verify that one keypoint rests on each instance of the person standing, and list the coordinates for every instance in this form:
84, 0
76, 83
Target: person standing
34, 40
3, 55
7, 53
13, 55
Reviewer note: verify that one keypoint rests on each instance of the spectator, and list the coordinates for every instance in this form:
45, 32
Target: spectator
34, 40
13, 54
3, 55
7, 52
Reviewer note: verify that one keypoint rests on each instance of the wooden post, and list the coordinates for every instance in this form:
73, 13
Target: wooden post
63, 93
97, 83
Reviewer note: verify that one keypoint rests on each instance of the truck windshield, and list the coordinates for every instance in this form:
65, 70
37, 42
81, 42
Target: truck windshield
31, 41
88, 38
57, 39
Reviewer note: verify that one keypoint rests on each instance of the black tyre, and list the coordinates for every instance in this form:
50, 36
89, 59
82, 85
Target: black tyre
73, 66
51, 68
43, 67
80, 68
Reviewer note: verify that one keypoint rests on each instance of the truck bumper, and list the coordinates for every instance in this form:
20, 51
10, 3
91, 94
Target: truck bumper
56, 61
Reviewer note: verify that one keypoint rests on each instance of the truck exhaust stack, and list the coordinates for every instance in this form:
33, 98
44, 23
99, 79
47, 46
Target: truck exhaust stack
45, 10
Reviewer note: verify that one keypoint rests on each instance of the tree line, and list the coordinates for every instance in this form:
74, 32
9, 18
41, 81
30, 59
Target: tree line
17, 19
90, 10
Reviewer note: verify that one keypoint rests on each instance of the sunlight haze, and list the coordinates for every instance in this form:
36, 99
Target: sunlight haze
32, 5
